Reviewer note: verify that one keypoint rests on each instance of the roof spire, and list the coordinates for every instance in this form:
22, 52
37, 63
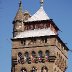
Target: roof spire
41, 2
20, 5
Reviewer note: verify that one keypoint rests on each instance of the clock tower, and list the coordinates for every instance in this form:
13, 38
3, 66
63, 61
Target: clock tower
36, 46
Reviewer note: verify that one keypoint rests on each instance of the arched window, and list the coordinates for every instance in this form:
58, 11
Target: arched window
47, 52
33, 53
26, 57
40, 56
34, 69
40, 53
33, 56
26, 54
20, 58
23, 70
20, 54
44, 69
46, 55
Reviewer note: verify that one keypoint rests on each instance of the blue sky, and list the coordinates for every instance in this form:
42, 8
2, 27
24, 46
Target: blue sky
58, 10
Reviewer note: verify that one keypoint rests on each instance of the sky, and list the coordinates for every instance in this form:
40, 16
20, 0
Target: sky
58, 10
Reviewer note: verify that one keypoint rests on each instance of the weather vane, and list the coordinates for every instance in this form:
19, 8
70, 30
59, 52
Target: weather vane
20, 4
41, 2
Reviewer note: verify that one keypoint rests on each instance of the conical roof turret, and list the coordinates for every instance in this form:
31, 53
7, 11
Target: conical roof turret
19, 14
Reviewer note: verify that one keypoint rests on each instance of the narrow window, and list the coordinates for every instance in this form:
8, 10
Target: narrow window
40, 53
47, 55
33, 53
20, 58
33, 56
26, 57
20, 54
40, 56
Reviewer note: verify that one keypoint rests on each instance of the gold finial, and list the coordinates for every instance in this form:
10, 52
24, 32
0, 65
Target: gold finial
41, 2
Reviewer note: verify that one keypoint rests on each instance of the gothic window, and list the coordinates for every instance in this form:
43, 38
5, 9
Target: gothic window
20, 58
47, 52
40, 56
23, 70
33, 53
46, 55
20, 54
40, 53
33, 56
34, 69
26, 54
26, 57
44, 69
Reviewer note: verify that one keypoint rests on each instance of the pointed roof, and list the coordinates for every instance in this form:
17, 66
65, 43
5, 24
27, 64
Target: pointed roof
19, 14
39, 15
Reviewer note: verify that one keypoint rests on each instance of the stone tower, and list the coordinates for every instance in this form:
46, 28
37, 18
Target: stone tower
36, 46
